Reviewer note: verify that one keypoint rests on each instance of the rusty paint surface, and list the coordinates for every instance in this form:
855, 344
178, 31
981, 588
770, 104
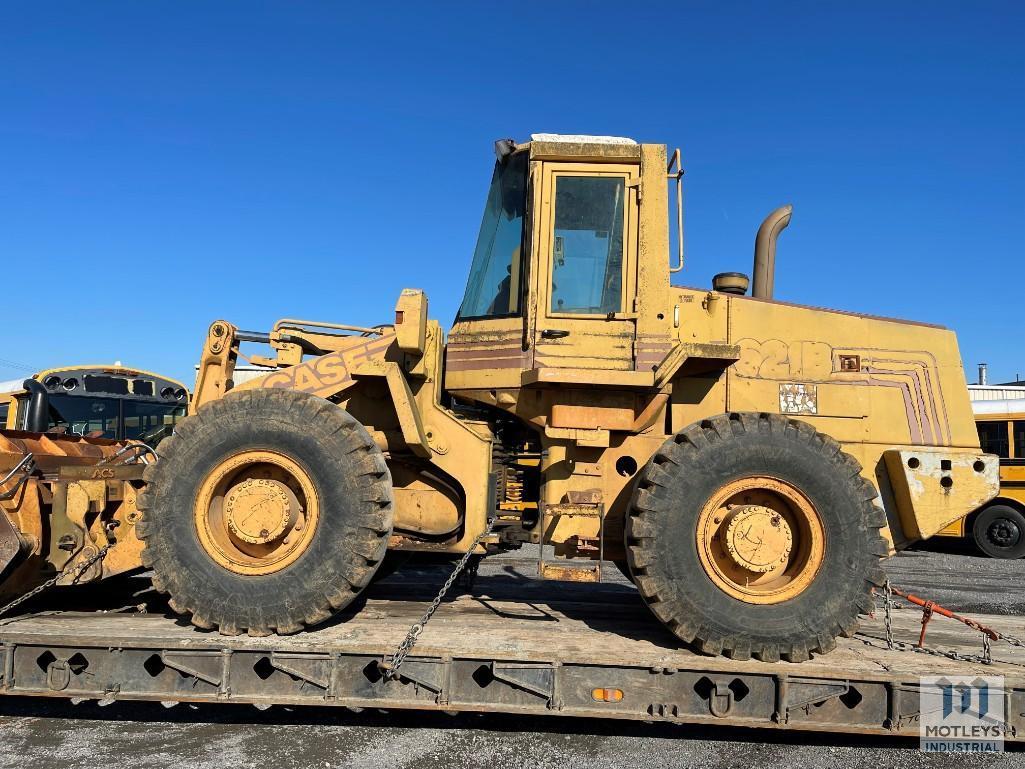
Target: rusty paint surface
935, 487
569, 573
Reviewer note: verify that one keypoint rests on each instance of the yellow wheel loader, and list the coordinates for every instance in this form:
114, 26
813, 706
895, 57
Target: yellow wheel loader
71, 464
748, 461
67, 509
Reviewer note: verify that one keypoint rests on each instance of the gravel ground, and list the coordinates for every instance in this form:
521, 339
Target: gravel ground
55, 734
954, 576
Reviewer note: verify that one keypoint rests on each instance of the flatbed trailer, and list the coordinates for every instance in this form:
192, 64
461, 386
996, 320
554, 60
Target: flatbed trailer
514, 646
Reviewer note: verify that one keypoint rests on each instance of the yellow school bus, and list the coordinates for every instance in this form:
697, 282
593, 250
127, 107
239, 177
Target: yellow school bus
998, 528
97, 401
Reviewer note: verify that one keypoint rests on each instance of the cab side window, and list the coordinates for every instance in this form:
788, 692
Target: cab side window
587, 247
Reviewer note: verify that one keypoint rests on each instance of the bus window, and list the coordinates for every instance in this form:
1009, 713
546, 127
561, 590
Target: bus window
1019, 438
993, 438
96, 417
149, 422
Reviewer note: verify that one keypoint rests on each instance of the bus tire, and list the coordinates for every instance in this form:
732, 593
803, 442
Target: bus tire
999, 531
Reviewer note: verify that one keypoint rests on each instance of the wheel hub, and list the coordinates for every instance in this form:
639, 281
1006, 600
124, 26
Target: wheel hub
259, 510
760, 540
1004, 533
757, 538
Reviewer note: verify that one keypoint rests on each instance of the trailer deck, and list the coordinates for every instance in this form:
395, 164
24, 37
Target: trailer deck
526, 648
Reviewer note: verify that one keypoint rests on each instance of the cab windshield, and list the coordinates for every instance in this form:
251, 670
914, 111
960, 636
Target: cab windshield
149, 422
115, 418
493, 287
94, 417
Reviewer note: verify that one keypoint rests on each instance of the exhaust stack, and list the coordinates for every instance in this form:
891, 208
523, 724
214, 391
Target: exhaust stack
765, 251
37, 416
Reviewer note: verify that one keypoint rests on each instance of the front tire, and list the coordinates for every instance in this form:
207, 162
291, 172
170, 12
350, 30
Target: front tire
999, 532
267, 511
755, 535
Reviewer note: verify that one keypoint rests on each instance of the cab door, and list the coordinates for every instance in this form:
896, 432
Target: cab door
587, 267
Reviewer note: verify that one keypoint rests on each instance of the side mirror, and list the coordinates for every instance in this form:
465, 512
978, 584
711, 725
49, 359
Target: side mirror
411, 321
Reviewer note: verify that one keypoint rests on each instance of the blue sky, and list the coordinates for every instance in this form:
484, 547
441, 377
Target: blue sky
166, 164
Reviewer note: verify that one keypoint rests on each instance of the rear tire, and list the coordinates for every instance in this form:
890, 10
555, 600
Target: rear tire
330, 494
753, 535
999, 532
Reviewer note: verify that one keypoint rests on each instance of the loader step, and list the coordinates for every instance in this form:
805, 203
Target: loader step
563, 572
551, 650
587, 551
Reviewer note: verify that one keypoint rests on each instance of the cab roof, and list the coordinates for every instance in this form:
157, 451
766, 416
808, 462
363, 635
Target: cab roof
582, 147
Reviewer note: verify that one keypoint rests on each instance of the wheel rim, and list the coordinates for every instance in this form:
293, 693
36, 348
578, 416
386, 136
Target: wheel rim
1004, 533
761, 540
256, 512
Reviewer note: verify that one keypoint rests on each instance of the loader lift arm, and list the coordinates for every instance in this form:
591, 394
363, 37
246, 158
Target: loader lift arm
335, 362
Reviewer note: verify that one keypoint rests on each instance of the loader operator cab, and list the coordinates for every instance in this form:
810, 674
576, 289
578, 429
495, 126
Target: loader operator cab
111, 402
586, 244
556, 281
